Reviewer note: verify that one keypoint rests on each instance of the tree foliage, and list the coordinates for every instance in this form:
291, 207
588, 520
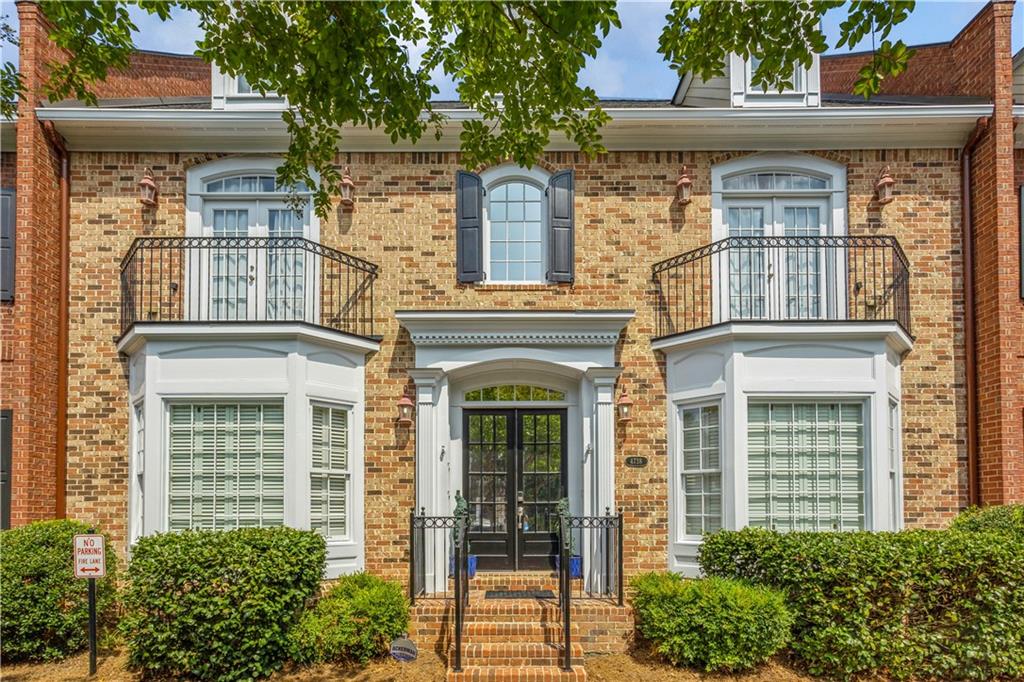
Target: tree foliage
515, 63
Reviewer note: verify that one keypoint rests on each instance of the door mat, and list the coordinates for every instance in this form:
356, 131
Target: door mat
519, 594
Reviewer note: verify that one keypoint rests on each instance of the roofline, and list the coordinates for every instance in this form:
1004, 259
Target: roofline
161, 53
667, 113
1018, 58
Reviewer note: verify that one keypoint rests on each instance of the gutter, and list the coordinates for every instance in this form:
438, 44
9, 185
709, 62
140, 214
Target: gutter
970, 340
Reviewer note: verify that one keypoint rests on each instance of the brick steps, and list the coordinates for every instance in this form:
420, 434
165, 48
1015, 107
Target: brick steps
517, 654
519, 632
535, 673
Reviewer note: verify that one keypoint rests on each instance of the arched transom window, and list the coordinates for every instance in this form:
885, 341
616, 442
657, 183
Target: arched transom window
514, 393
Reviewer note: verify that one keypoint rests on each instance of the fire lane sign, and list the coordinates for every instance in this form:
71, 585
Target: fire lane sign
90, 556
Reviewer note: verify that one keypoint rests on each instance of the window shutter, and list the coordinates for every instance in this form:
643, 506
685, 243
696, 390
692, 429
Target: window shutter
561, 194
7, 246
469, 232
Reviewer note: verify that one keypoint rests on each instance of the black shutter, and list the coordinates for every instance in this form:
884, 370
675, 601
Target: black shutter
560, 202
5, 469
469, 227
6, 245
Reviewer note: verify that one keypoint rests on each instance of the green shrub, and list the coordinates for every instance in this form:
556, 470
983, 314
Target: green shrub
218, 605
45, 609
355, 620
926, 604
1007, 518
714, 624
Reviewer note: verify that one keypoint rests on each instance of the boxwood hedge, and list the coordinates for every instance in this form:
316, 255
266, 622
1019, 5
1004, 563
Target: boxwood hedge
715, 624
355, 621
44, 609
925, 604
218, 605
1007, 518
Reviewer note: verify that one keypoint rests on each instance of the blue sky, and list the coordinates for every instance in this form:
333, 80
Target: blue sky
628, 64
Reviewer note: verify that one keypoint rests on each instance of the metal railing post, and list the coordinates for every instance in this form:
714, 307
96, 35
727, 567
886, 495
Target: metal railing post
566, 589
459, 605
412, 557
621, 576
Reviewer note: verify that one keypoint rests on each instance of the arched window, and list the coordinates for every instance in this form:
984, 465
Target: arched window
514, 393
770, 200
515, 224
236, 199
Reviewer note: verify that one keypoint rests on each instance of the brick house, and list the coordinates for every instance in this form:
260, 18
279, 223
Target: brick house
731, 318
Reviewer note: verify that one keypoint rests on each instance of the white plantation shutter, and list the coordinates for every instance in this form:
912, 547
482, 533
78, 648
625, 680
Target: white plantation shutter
226, 465
702, 470
806, 466
330, 475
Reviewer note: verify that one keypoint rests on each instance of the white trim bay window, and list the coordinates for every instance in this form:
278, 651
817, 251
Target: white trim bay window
226, 465
329, 474
806, 465
700, 469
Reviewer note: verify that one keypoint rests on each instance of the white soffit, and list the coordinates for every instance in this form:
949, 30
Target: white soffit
500, 328
638, 128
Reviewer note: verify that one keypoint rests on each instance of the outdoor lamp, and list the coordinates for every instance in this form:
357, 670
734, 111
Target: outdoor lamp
683, 187
884, 185
347, 187
405, 411
147, 189
625, 407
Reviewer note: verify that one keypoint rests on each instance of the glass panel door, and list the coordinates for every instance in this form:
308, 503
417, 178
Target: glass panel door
748, 270
801, 265
541, 436
285, 284
488, 442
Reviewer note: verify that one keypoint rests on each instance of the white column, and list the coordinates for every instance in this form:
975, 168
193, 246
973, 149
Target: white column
428, 462
603, 455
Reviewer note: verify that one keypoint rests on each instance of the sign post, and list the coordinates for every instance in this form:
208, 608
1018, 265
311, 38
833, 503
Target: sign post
91, 563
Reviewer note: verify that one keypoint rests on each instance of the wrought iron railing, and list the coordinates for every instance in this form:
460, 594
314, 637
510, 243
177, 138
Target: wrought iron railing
246, 279
589, 566
783, 279
439, 550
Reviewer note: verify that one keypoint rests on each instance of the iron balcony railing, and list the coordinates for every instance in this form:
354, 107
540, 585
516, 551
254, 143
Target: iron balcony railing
246, 279
783, 279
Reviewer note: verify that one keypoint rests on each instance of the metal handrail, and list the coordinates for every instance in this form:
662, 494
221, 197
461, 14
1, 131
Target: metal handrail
783, 278
455, 527
607, 550
246, 279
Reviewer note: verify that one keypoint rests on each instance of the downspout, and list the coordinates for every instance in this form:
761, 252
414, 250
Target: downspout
60, 483
970, 342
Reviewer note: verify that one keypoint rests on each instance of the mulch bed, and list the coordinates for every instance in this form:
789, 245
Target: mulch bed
642, 666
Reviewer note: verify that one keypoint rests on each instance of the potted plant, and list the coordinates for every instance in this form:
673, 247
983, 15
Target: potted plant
575, 560
461, 510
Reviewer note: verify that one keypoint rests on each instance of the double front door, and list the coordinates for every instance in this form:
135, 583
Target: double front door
514, 475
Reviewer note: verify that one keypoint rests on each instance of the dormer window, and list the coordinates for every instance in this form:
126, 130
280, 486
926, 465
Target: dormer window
803, 90
243, 87
236, 92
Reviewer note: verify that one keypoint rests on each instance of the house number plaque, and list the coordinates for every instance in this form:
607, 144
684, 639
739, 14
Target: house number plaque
636, 461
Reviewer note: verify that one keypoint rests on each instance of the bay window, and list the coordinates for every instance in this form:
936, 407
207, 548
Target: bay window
226, 465
329, 473
806, 465
701, 469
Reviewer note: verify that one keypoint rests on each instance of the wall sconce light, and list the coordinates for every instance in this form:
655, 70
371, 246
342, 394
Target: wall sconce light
625, 407
405, 411
147, 189
347, 187
684, 185
884, 186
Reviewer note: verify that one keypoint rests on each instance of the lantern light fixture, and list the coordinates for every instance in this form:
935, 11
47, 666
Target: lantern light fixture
147, 189
405, 406
347, 187
684, 186
625, 407
884, 186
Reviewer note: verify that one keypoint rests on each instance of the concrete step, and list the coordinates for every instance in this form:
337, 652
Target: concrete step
526, 673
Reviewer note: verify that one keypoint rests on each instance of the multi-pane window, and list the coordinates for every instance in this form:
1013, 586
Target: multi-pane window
746, 263
796, 80
701, 469
516, 243
802, 267
226, 465
806, 465
138, 467
514, 393
895, 494
330, 474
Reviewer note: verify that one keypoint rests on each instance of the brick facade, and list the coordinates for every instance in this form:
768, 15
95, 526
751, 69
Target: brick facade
626, 220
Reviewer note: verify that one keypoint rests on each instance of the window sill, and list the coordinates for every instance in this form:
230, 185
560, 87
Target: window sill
515, 286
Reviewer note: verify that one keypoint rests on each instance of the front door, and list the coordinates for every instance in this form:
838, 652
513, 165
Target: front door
514, 475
